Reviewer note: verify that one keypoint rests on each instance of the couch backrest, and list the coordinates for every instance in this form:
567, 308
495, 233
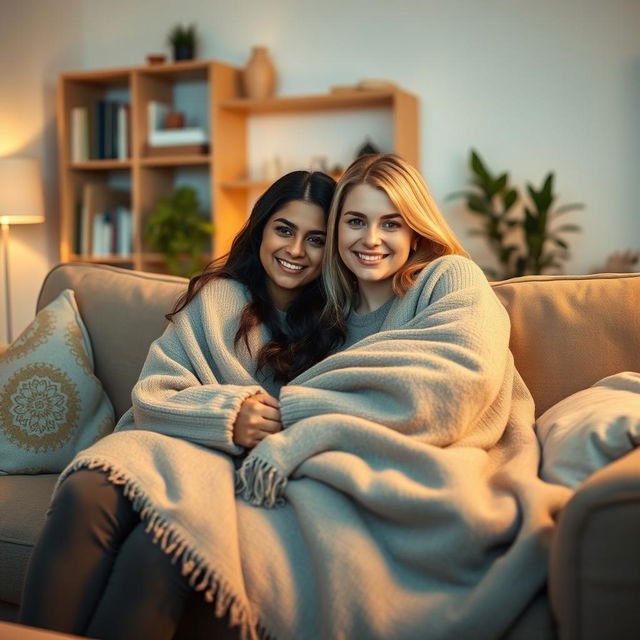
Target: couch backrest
123, 311
567, 332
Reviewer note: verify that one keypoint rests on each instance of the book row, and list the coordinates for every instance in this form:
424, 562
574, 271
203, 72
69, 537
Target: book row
101, 133
103, 222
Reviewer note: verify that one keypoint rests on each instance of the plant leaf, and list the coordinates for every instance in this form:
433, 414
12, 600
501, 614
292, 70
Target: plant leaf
566, 228
479, 168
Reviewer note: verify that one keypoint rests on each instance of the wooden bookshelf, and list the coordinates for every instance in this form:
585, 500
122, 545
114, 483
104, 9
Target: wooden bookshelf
221, 173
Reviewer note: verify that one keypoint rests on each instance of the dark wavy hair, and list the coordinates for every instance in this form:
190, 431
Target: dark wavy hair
305, 339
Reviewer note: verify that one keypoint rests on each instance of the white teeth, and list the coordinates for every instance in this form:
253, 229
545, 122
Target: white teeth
289, 265
368, 258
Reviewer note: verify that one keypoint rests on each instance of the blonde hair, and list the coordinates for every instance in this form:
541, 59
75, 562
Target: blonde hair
407, 190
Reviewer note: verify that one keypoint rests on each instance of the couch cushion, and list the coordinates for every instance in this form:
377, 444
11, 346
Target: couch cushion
123, 311
51, 403
23, 504
568, 332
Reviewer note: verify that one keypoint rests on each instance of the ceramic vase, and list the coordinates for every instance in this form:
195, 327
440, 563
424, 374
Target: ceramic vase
259, 76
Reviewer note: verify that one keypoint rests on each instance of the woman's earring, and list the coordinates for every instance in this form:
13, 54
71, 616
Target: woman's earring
414, 246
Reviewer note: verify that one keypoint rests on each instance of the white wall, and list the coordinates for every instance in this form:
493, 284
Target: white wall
535, 86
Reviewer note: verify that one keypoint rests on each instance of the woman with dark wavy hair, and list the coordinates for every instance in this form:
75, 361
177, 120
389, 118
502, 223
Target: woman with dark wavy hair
245, 326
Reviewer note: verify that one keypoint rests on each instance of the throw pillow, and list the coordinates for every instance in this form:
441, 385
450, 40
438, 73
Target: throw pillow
51, 403
590, 428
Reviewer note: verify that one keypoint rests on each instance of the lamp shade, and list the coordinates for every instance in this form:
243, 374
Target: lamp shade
21, 200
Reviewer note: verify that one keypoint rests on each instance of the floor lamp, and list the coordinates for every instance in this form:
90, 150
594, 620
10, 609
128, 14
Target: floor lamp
21, 202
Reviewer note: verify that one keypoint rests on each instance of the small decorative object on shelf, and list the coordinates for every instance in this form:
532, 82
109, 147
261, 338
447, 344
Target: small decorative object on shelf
367, 148
183, 41
174, 120
376, 84
319, 163
156, 58
620, 262
259, 76
169, 136
368, 84
272, 168
177, 229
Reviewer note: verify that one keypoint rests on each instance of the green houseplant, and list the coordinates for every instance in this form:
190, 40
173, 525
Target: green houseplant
177, 229
183, 41
525, 240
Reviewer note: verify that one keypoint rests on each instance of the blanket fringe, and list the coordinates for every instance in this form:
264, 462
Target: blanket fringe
260, 483
201, 577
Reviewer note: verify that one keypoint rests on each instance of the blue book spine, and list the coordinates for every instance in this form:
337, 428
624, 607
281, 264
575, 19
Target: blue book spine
101, 128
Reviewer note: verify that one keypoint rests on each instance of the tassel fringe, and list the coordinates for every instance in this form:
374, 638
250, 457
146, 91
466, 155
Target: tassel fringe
260, 483
201, 577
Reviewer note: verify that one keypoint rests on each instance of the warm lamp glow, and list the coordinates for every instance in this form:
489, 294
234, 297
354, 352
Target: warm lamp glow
21, 202
21, 199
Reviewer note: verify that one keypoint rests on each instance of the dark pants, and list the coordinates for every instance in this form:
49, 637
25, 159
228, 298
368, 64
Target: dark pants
94, 571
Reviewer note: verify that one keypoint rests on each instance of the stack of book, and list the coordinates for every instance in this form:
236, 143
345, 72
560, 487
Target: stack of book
162, 141
103, 224
103, 133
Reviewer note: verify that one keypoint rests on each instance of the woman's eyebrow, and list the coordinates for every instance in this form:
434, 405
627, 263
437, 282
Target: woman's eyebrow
287, 222
357, 214
294, 226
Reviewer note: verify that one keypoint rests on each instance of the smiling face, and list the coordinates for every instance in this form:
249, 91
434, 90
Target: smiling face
374, 241
292, 248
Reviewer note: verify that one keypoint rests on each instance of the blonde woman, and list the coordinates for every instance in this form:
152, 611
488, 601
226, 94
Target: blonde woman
406, 471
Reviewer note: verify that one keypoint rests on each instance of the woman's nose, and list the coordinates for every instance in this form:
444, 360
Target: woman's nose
296, 248
372, 237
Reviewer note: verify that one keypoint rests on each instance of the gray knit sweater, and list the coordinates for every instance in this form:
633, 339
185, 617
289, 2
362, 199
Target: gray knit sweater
195, 379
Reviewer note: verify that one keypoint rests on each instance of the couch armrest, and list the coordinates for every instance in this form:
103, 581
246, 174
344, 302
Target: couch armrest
594, 575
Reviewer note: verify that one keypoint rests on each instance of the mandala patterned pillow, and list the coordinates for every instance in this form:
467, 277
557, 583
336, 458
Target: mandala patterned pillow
51, 403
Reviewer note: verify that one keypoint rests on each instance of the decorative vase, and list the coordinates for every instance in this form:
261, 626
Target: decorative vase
259, 76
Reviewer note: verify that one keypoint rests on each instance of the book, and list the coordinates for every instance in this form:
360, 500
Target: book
190, 135
79, 134
123, 229
101, 108
98, 198
122, 144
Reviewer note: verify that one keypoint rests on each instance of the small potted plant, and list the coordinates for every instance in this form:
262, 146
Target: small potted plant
183, 42
178, 230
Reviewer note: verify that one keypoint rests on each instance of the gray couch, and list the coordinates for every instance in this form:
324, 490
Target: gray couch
567, 332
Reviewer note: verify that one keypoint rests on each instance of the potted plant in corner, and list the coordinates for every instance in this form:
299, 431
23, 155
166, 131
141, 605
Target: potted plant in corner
526, 240
183, 42
177, 229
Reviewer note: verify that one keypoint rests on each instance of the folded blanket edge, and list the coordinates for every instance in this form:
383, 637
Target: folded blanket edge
259, 483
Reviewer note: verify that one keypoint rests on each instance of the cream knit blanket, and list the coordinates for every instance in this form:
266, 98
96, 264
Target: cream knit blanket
408, 502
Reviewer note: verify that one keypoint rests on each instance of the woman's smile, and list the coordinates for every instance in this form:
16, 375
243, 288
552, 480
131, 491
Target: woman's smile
289, 267
370, 259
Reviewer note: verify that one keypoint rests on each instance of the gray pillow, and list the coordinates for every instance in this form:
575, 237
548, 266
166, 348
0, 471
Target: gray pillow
590, 428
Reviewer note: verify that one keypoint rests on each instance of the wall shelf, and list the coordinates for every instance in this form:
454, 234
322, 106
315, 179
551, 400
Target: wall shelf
220, 175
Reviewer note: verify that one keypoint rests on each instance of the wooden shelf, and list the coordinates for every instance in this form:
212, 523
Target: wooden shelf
101, 165
163, 161
322, 102
217, 173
